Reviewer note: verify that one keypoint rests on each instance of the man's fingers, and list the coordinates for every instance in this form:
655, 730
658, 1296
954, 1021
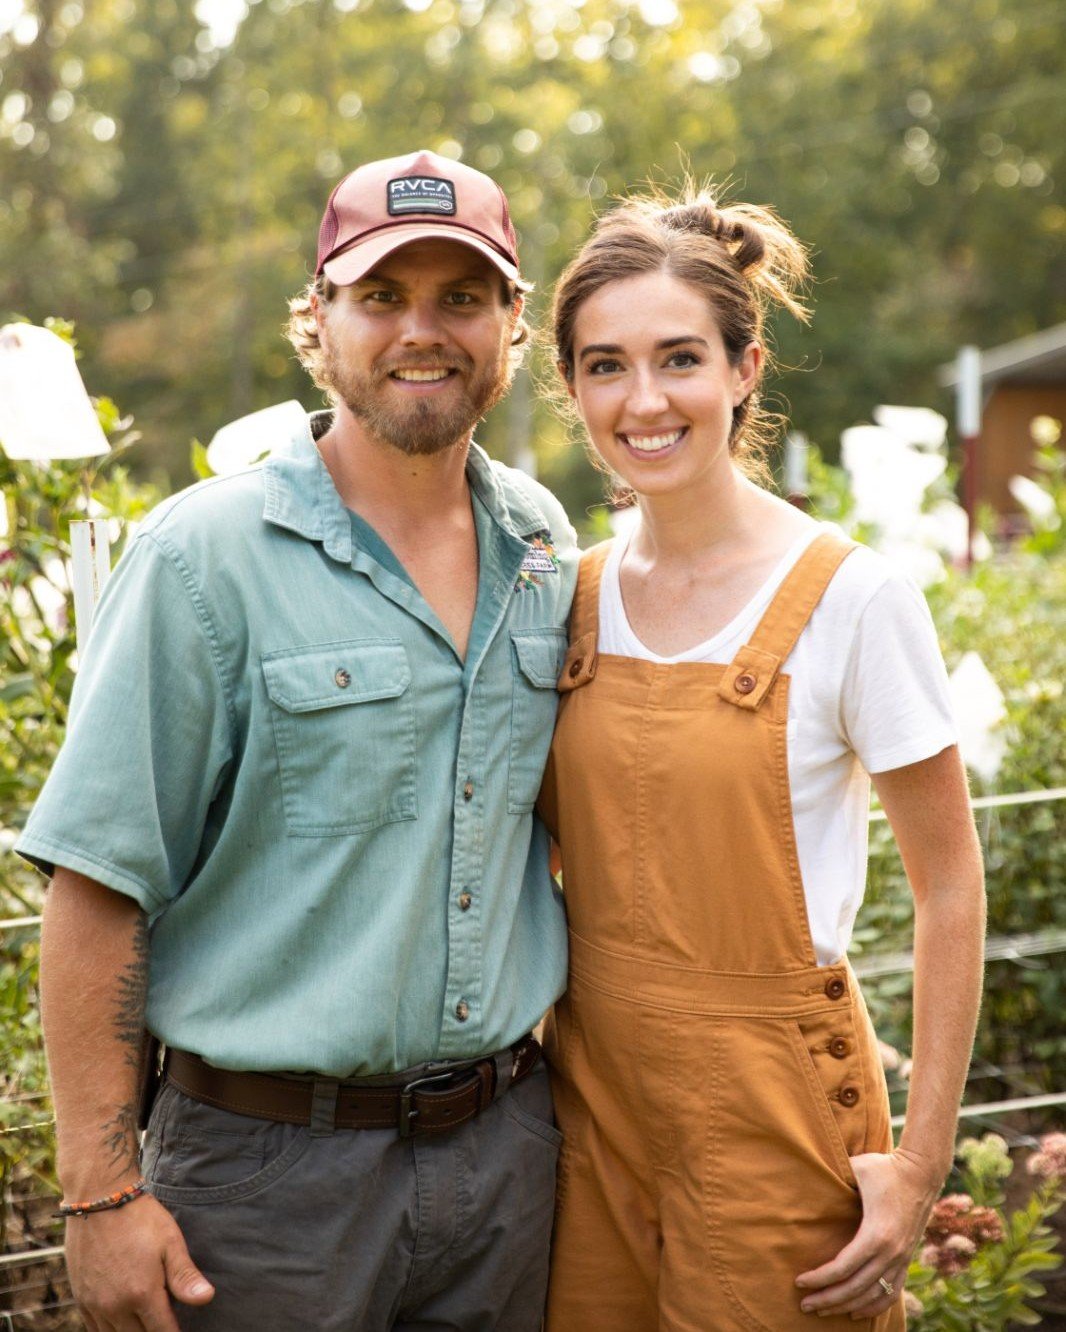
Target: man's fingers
184, 1279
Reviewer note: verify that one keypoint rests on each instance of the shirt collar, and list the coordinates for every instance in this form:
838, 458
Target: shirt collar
300, 495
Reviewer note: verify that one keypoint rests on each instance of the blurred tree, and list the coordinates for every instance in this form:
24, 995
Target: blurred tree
168, 169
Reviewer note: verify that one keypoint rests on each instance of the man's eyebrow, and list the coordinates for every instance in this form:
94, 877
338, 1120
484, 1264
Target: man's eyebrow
613, 348
375, 280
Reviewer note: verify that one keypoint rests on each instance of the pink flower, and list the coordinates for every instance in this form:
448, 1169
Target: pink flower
1050, 1161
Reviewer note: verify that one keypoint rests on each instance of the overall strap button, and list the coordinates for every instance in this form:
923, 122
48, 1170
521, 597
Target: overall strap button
745, 683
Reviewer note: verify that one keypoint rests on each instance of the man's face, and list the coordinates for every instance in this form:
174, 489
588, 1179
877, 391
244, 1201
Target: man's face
418, 349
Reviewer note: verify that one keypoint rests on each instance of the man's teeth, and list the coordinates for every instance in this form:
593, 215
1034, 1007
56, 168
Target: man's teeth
652, 443
421, 376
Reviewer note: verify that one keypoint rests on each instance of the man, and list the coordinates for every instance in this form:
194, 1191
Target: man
291, 832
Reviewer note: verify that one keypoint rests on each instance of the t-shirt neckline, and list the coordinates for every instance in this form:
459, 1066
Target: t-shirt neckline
612, 586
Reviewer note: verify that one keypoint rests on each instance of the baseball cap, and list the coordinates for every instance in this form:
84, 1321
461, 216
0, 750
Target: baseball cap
380, 206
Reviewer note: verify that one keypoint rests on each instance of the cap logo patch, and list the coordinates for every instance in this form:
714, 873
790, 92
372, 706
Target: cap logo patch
421, 194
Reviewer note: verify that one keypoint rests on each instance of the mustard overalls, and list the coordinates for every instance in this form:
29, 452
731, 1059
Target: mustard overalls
711, 1081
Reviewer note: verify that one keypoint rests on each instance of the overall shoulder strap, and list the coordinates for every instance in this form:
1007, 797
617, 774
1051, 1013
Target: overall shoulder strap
756, 665
580, 664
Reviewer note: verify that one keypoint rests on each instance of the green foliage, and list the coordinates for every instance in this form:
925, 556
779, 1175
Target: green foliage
164, 182
995, 1287
37, 660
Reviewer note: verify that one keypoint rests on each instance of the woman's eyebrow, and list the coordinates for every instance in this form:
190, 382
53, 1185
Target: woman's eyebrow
613, 349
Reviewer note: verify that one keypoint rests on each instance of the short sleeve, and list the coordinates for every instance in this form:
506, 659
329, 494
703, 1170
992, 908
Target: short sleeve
148, 738
895, 703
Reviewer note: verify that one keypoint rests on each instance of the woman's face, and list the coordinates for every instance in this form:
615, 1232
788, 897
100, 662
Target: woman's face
653, 383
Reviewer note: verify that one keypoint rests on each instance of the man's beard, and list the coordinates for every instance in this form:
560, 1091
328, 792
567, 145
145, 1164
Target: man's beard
422, 426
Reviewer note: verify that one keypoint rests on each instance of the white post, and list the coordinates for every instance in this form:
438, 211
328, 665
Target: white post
90, 551
796, 478
968, 421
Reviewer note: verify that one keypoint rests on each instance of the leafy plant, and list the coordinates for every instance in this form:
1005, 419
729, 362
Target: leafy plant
975, 1271
38, 658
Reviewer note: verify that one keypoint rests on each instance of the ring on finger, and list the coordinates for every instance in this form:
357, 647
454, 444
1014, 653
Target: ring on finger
886, 1285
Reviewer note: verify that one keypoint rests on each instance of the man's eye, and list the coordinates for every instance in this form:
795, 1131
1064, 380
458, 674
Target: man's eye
461, 298
383, 297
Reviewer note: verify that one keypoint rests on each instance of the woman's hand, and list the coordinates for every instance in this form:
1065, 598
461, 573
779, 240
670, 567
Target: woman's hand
897, 1195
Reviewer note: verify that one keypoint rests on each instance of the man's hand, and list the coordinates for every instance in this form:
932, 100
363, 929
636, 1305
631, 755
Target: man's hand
123, 1265
897, 1195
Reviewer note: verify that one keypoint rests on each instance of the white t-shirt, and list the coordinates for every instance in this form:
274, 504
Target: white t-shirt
869, 693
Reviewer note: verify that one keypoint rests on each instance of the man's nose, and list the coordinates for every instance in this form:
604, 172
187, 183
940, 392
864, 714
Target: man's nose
421, 325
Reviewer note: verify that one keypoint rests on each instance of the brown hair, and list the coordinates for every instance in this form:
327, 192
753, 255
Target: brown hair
302, 329
743, 259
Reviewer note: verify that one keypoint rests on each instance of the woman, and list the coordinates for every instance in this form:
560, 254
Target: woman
736, 674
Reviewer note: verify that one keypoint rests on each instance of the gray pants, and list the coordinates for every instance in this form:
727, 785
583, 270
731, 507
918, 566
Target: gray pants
359, 1229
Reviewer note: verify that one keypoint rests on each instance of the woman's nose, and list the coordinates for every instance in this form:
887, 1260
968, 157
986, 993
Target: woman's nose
647, 398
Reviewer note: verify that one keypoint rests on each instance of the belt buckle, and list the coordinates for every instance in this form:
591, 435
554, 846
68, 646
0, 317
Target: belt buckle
408, 1113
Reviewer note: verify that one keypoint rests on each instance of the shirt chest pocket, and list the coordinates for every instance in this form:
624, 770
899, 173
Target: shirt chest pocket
344, 727
537, 658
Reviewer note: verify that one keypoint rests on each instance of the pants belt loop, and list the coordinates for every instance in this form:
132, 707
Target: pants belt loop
324, 1108
504, 1068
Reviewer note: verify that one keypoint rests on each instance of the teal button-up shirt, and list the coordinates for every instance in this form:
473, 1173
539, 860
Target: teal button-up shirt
276, 750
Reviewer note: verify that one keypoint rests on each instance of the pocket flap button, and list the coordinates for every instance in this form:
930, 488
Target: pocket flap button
575, 667
849, 1096
838, 1047
342, 678
835, 988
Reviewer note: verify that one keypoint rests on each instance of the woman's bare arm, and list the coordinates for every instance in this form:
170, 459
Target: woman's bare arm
928, 808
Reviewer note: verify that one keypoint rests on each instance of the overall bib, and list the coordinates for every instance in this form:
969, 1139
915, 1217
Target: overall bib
711, 1080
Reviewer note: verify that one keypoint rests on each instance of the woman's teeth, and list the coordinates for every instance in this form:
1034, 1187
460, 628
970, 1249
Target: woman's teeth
652, 443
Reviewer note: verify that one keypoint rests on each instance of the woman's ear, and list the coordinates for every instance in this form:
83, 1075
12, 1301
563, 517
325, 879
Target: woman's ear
747, 372
566, 378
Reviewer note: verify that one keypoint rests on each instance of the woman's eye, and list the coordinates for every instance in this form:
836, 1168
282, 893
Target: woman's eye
683, 360
604, 367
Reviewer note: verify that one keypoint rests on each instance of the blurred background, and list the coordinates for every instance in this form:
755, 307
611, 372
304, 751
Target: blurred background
163, 170
165, 166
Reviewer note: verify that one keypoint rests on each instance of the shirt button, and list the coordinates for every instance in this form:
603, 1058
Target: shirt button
342, 678
835, 988
462, 1012
464, 901
468, 791
849, 1096
575, 668
838, 1047
744, 684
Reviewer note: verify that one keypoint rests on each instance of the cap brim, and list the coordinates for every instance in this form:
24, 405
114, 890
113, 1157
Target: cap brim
352, 264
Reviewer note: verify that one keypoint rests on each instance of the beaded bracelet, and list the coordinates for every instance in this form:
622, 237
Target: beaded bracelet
112, 1200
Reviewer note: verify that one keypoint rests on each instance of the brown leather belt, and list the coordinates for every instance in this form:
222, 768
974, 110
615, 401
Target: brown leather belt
436, 1100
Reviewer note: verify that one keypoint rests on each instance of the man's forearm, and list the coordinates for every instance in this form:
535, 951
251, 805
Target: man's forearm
94, 983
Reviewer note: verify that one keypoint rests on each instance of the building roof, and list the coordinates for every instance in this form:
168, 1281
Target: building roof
1039, 358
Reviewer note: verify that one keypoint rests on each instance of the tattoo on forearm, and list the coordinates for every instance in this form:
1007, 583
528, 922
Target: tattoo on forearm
120, 1139
120, 1132
128, 1023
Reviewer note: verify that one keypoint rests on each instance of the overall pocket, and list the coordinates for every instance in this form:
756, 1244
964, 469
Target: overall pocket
536, 660
344, 727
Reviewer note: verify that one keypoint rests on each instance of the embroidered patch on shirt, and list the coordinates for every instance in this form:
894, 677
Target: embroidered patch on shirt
540, 558
420, 194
